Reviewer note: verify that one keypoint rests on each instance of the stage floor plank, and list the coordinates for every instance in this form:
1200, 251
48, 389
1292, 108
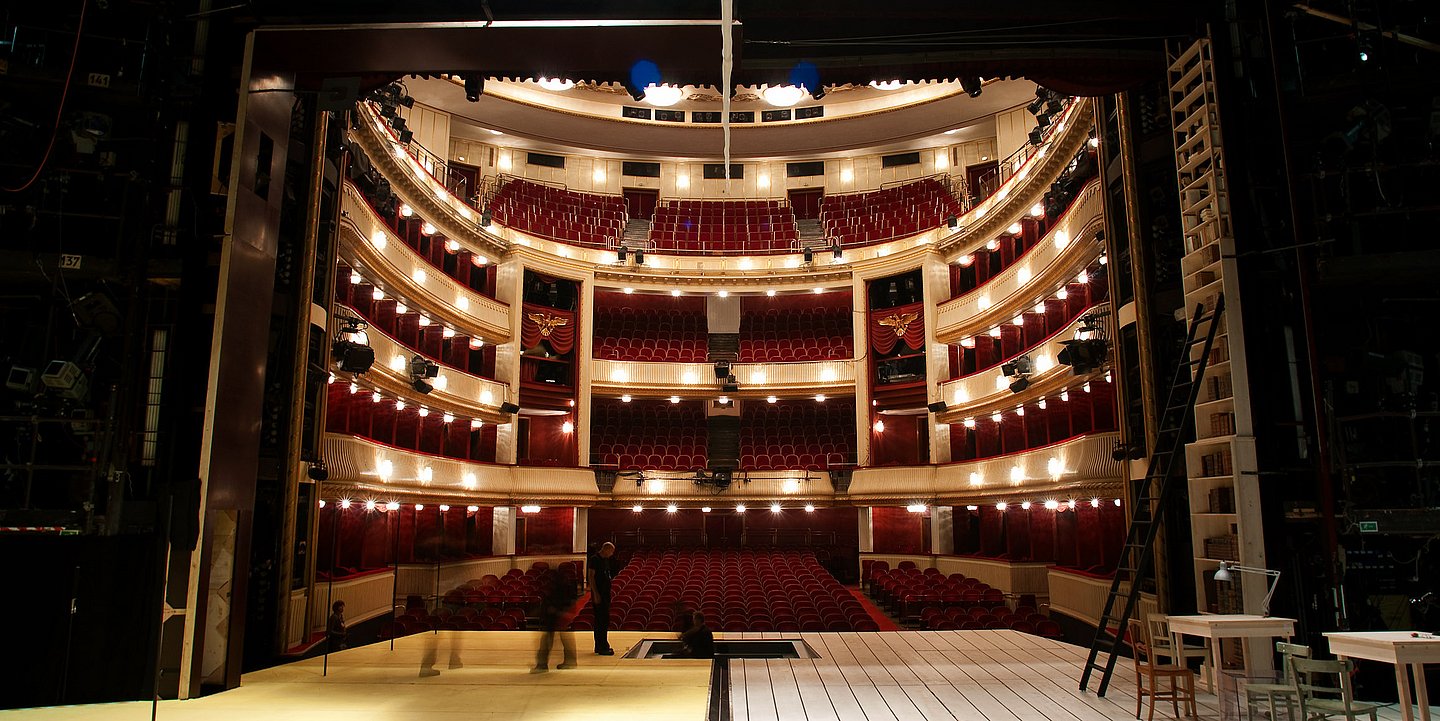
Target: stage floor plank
993, 675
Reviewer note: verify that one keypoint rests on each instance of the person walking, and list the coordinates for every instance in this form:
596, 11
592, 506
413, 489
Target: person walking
600, 570
557, 590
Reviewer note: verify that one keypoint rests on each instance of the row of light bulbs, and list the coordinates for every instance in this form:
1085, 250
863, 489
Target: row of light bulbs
1050, 505
419, 276
400, 405
666, 95
1083, 277
770, 293
724, 400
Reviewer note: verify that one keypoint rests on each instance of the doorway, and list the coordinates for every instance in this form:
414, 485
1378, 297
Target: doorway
723, 530
982, 179
640, 202
806, 202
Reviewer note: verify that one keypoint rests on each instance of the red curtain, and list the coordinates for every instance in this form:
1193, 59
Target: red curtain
889, 326
554, 326
896, 530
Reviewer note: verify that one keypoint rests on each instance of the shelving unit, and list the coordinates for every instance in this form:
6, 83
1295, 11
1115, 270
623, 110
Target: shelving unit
1221, 463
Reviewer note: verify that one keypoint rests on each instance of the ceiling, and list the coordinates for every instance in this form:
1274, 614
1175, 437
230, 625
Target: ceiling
869, 119
1094, 47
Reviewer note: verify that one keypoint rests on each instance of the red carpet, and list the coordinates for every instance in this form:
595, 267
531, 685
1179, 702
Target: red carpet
881, 619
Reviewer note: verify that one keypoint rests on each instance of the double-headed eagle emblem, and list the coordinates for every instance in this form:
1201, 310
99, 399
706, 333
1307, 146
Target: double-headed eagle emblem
899, 322
547, 323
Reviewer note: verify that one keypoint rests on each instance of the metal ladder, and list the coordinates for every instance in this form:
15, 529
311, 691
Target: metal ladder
1151, 495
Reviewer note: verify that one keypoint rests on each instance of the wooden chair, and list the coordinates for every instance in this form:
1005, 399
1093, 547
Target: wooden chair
1164, 647
1318, 700
1284, 692
1182, 681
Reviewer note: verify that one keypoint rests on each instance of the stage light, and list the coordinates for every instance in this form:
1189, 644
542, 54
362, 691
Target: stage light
916, 508
976, 479
774, 508
887, 84
1025, 506
556, 84
671, 508
879, 426
972, 86
739, 508
444, 508
1001, 506
567, 427
704, 509
771, 399
529, 509
473, 509
783, 96
636, 508
625, 398
662, 96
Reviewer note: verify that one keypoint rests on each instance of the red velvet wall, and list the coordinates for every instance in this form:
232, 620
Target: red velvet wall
548, 444
896, 530
899, 444
607, 523
552, 530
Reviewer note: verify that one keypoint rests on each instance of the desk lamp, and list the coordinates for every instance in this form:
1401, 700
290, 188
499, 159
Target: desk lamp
1224, 573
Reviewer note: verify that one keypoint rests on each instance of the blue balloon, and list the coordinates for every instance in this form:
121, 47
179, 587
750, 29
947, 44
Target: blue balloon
805, 74
644, 73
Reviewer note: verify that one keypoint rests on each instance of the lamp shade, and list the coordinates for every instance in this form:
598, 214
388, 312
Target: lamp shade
1223, 573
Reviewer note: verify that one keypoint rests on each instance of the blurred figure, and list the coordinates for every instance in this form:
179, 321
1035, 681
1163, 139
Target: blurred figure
557, 597
432, 647
698, 641
600, 568
335, 631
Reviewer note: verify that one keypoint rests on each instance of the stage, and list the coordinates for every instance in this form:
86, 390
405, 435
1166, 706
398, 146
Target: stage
995, 675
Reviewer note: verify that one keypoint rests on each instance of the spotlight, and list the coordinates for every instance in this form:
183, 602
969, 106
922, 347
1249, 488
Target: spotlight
318, 471
352, 357
421, 387
620, 254
972, 86
636, 93
510, 408
1020, 366
809, 256
1019, 385
953, 222
722, 369
639, 256
835, 250
937, 407
474, 87
421, 367
1084, 355
1036, 136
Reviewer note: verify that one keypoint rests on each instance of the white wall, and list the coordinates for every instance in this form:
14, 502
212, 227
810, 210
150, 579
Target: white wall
1012, 130
763, 179
430, 126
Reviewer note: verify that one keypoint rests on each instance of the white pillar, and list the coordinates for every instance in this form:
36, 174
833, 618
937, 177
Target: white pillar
867, 532
502, 531
942, 530
578, 543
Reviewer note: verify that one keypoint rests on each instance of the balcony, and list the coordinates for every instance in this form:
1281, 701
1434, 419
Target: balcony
455, 391
373, 467
379, 255
1067, 248
1082, 467
698, 379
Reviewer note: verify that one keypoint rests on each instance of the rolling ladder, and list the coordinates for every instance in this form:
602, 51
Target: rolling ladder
1151, 495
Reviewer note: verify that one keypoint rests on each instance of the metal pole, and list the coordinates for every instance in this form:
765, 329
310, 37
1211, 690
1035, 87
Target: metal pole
395, 574
330, 588
164, 601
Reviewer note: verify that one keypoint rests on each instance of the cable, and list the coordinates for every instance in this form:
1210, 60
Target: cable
60, 110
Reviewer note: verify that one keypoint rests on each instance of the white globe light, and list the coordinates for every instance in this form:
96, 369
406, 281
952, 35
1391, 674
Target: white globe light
556, 83
663, 96
783, 96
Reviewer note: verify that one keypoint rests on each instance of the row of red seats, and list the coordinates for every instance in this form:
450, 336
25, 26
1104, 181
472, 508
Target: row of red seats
736, 590
1021, 619
649, 334
861, 218
587, 218
649, 435
458, 264
797, 434
780, 335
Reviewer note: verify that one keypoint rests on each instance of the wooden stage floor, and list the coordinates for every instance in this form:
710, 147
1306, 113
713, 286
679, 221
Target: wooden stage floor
961, 675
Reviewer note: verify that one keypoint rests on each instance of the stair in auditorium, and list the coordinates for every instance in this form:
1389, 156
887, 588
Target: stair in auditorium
810, 228
724, 346
724, 442
637, 232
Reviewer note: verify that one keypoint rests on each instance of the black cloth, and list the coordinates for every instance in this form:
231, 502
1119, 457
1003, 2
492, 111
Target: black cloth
699, 642
604, 572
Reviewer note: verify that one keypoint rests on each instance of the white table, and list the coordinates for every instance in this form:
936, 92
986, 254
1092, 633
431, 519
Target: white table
1407, 653
1230, 625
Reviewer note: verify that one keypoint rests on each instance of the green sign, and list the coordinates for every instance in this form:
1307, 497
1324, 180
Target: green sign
1369, 526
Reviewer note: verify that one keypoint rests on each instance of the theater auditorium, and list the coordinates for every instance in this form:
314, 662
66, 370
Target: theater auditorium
1029, 361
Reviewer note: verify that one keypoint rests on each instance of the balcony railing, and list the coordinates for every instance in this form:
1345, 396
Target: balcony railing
1082, 466
376, 468
645, 378
1068, 247
383, 259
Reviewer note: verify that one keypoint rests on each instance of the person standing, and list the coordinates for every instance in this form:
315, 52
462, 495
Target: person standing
335, 629
557, 588
600, 570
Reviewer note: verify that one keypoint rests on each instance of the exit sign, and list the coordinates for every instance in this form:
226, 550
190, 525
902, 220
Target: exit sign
1369, 526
